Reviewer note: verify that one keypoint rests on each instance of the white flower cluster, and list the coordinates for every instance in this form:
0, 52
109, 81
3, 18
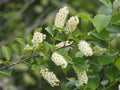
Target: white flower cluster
82, 76
99, 50
85, 48
28, 47
72, 24
59, 60
50, 77
64, 43
38, 38
61, 17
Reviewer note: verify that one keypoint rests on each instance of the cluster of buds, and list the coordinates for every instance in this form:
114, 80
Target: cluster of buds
50, 77
59, 60
85, 48
61, 17
98, 50
72, 24
28, 47
38, 38
64, 43
82, 76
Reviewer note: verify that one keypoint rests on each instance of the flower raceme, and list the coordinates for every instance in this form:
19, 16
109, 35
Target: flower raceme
59, 60
82, 76
38, 38
50, 77
97, 50
72, 24
61, 17
85, 48
64, 43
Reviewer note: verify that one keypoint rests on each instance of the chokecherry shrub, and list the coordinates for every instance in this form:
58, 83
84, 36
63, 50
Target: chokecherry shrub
93, 55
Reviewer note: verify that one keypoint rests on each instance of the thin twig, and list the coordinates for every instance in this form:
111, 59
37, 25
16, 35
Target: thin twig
26, 59
21, 61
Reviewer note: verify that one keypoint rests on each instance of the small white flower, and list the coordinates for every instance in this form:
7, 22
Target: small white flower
59, 45
28, 47
99, 50
59, 60
82, 76
85, 48
64, 43
72, 24
50, 77
61, 17
38, 38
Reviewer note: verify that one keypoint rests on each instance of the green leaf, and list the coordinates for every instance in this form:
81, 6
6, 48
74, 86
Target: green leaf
113, 29
59, 38
6, 51
105, 59
112, 73
6, 72
1, 61
35, 67
93, 82
85, 16
21, 41
117, 63
104, 82
79, 54
100, 21
106, 2
38, 29
16, 48
116, 4
50, 30
29, 38
116, 18
104, 35
71, 82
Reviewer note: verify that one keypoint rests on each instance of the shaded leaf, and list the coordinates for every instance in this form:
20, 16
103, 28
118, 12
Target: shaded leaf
6, 51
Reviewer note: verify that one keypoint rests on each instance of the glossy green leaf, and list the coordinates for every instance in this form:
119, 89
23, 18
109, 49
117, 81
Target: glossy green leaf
93, 82
6, 72
104, 35
105, 59
85, 16
79, 54
6, 51
1, 61
100, 21
112, 73
113, 29
20, 41
106, 2
16, 48
117, 63
50, 30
